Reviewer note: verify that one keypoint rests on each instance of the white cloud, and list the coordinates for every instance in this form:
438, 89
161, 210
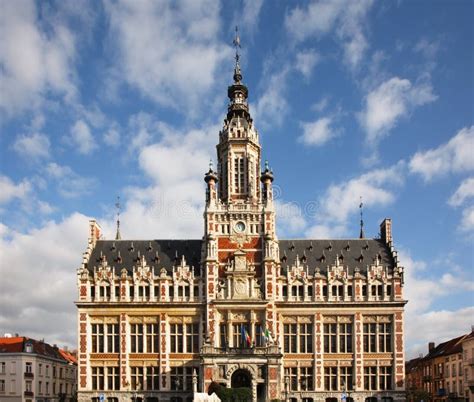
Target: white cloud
34, 62
69, 183
392, 100
305, 62
290, 218
321, 105
172, 205
82, 138
427, 48
272, 107
112, 137
33, 146
169, 52
436, 325
9, 190
142, 129
467, 222
464, 192
346, 19
45, 208
423, 322
327, 231
341, 201
377, 187
248, 19
49, 255
455, 156
317, 133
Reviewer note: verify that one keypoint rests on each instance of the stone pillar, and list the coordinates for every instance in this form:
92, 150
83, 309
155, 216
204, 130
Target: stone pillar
318, 355
124, 375
358, 361
163, 352
82, 356
399, 366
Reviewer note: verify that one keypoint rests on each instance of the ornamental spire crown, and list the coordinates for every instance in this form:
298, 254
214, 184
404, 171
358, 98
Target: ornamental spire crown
238, 92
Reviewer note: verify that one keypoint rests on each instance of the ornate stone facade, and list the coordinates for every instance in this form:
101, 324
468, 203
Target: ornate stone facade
291, 319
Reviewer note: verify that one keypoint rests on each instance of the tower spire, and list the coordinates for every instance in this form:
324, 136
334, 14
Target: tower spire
361, 235
118, 206
236, 42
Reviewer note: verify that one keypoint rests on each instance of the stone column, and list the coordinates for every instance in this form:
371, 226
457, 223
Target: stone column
358, 361
399, 366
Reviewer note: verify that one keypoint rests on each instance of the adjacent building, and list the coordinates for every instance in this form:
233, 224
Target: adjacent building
299, 320
33, 370
445, 373
468, 366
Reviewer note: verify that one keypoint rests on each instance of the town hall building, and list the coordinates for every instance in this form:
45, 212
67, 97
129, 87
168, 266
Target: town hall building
294, 320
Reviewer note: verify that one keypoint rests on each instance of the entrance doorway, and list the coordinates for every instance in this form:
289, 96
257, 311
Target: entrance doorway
241, 379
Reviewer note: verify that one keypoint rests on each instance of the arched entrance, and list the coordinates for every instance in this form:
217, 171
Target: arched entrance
241, 378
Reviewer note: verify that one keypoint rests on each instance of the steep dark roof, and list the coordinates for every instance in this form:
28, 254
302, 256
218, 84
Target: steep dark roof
18, 345
158, 253
413, 365
447, 348
321, 253
168, 253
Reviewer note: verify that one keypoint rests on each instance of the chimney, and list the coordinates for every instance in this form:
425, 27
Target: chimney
94, 232
386, 230
431, 346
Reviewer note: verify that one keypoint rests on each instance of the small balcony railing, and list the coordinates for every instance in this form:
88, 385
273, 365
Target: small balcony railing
259, 350
29, 375
29, 393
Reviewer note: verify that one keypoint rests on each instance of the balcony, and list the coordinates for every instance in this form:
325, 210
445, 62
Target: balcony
28, 375
427, 378
29, 394
256, 351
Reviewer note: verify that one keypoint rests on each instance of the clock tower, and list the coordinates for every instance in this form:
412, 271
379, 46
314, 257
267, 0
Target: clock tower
240, 246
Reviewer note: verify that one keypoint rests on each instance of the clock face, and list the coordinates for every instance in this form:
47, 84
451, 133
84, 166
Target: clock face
239, 227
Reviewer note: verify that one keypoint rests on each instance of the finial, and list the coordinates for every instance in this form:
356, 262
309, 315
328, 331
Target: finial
118, 206
361, 235
236, 42
266, 165
211, 165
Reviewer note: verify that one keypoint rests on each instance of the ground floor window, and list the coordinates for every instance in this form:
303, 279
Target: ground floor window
182, 378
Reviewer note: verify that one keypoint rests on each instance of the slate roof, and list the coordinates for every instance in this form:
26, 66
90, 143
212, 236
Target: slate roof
167, 253
158, 253
447, 348
18, 345
321, 253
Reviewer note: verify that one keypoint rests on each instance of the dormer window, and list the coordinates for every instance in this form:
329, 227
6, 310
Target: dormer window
29, 348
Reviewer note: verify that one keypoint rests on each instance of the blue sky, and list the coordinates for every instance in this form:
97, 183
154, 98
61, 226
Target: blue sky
123, 98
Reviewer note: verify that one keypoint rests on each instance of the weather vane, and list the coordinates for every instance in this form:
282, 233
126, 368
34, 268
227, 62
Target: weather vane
361, 235
118, 207
236, 43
